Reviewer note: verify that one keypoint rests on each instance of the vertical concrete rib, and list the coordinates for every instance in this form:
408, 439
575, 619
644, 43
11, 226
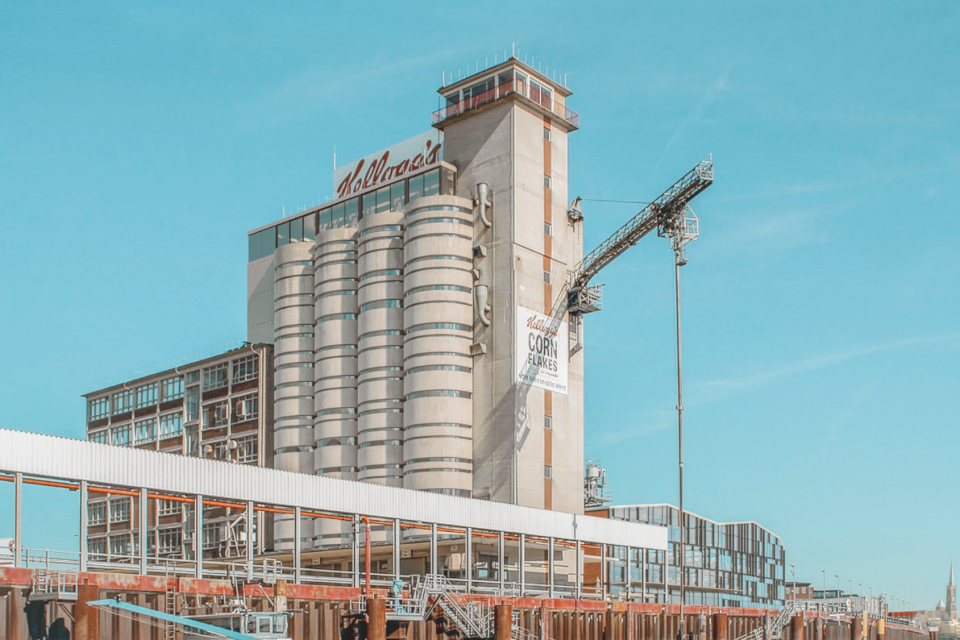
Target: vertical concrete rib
293, 376
380, 365
336, 366
438, 323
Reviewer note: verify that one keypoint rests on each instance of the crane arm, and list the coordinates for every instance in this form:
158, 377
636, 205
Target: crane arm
658, 214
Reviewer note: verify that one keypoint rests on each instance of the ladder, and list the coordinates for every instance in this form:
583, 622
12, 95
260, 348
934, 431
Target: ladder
170, 608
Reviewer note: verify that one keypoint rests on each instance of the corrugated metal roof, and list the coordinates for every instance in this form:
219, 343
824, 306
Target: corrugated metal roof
62, 458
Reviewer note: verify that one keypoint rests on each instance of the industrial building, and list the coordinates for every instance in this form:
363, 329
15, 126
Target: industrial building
419, 319
218, 408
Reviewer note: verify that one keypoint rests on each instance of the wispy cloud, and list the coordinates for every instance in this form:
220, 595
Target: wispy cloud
721, 388
324, 84
720, 84
658, 421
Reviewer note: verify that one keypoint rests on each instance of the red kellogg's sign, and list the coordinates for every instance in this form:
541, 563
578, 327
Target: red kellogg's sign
388, 165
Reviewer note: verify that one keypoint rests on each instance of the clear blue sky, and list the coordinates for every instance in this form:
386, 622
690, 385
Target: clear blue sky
139, 143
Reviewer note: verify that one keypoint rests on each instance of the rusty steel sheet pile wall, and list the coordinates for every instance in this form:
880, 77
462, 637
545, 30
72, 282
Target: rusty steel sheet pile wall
325, 614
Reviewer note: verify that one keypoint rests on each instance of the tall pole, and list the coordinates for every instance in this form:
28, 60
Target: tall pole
678, 262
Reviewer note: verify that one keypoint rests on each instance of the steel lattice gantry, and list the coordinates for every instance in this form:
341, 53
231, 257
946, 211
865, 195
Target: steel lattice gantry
668, 214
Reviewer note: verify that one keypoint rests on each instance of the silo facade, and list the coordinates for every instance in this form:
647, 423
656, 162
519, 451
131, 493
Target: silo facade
438, 327
294, 375
380, 349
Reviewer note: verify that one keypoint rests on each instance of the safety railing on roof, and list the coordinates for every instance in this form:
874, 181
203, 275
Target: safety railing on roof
526, 89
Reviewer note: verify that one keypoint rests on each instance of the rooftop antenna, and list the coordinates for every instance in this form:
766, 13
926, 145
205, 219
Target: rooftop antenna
514, 52
334, 157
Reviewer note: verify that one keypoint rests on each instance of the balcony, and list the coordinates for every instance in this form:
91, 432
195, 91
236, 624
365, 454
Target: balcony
543, 99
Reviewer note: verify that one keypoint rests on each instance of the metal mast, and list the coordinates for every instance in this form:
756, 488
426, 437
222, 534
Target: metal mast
681, 229
671, 215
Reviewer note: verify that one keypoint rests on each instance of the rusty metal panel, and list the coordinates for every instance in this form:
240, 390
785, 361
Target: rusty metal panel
61, 458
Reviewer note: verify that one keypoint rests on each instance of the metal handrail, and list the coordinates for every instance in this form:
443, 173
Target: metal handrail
520, 87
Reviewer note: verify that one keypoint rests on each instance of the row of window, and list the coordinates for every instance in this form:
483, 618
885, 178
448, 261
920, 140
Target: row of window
148, 395
171, 425
347, 214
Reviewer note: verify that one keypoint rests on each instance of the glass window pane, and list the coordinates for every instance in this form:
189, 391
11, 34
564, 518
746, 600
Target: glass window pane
431, 183
296, 230
309, 226
448, 182
254, 242
369, 204
383, 200
283, 234
397, 199
414, 188
337, 216
324, 220
351, 210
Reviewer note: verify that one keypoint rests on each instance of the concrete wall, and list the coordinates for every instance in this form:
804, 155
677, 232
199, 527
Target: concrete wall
504, 145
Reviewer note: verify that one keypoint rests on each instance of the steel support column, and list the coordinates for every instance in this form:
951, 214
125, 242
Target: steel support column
604, 572
17, 519
396, 549
142, 534
501, 568
521, 563
629, 577
550, 567
84, 523
579, 565
250, 539
433, 549
198, 534
297, 545
355, 555
468, 557
643, 572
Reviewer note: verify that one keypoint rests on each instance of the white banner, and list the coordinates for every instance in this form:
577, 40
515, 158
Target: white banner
542, 351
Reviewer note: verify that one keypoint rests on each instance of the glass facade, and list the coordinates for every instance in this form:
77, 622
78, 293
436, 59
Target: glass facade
348, 213
737, 564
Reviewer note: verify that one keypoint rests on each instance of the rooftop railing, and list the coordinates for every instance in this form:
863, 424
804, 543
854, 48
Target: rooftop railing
532, 92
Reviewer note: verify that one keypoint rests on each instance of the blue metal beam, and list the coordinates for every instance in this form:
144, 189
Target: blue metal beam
186, 622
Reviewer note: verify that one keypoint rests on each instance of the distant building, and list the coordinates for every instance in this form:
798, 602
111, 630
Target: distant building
799, 591
219, 407
733, 564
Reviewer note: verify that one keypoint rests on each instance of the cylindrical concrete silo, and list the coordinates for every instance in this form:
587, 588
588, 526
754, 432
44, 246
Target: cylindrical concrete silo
380, 364
293, 380
335, 367
438, 323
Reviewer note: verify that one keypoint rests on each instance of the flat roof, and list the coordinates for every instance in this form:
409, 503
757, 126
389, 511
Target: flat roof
687, 511
139, 379
511, 62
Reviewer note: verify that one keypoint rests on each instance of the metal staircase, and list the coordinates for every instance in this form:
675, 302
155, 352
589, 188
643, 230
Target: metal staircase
472, 620
778, 624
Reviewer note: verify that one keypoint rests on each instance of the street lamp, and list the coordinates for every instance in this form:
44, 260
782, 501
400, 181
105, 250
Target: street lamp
861, 589
849, 585
824, 573
838, 584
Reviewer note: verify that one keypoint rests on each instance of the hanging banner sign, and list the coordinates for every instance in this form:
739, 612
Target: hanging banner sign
542, 351
388, 165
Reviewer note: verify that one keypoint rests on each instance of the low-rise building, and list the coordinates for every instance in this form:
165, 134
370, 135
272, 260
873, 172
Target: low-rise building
220, 407
726, 564
799, 591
